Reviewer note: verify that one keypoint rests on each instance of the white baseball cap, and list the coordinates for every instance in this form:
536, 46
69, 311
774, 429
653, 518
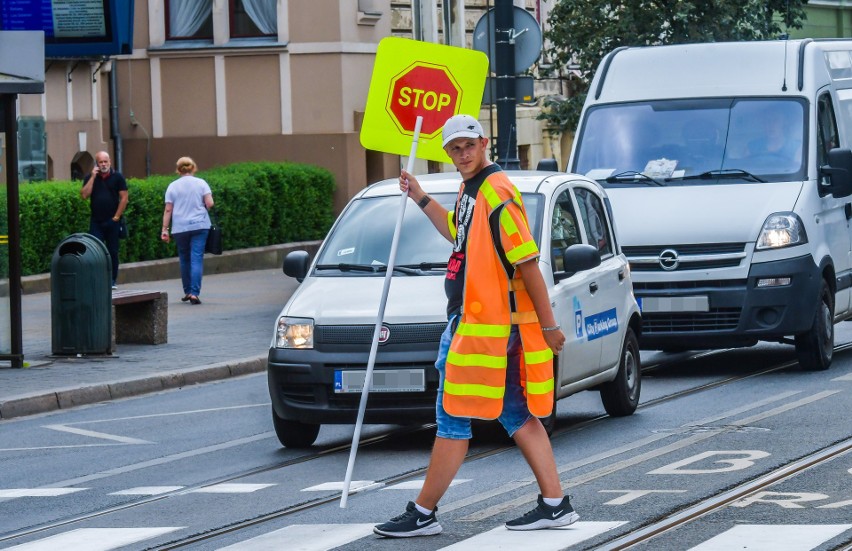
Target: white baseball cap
461, 126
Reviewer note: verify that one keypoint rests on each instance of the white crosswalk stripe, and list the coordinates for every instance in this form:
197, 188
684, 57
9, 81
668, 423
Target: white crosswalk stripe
771, 537
305, 537
500, 539
354, 486
417, 484
37, 492
147, 491
94, 539
231, 488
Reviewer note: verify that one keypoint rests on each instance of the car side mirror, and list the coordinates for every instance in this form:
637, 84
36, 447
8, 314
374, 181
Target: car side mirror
577, 258
839, 172
296, 264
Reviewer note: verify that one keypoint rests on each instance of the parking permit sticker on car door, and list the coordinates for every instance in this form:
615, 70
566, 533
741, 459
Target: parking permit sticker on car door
578, 318
601, 324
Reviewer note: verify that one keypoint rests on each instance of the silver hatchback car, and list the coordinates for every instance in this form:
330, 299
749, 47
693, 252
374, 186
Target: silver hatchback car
321, 341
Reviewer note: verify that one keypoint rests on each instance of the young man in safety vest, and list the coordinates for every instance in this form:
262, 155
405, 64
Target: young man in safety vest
501, 328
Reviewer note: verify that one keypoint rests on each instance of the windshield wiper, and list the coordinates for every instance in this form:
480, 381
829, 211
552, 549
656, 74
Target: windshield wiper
633, 175
725, 173
427, 266
343, 267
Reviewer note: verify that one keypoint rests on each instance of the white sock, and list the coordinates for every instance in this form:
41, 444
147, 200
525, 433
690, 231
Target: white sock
423, 510
550, 501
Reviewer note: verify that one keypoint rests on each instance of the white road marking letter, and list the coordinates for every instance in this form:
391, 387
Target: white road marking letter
630, 495
838, 505
734, 463
784, 500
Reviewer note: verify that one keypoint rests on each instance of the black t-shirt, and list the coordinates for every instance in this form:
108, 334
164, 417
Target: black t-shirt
104, 198
462, 218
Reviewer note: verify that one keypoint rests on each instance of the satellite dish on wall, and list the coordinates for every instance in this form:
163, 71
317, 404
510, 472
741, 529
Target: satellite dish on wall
527, 35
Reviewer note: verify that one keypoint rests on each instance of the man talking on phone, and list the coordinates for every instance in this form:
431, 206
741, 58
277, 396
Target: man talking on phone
106, 190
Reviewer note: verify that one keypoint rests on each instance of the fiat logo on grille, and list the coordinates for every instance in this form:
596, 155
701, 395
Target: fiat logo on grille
384, 334
668, 260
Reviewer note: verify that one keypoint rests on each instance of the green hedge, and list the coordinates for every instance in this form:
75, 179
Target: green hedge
257, 204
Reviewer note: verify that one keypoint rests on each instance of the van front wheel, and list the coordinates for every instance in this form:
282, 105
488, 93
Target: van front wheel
814, 348
294, 434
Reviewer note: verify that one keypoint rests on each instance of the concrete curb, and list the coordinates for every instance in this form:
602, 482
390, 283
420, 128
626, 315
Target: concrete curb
19, 406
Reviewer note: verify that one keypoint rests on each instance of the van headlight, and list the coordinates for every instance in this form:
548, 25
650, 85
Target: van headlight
783, 229
294, 333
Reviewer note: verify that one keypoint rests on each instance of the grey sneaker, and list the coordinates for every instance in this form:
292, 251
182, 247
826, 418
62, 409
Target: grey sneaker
409, 524
545, 516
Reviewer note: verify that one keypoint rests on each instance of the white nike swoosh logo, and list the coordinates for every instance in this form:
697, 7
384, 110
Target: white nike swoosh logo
424, 522
557, 513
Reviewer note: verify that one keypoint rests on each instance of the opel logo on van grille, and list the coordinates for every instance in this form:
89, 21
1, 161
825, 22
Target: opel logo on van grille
384, 334
668, 260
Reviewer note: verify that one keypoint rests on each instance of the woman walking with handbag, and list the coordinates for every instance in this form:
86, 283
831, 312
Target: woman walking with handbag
187, 201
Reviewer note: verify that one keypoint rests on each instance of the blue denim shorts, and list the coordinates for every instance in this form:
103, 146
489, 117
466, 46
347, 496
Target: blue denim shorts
515, 411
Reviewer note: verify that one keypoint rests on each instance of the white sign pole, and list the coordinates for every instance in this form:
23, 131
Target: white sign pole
368, 378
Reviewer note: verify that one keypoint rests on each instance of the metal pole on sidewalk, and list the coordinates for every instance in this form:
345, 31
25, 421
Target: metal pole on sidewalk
368, 377
504, 51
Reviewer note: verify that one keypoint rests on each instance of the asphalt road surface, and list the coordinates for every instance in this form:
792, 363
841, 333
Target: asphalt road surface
736, 449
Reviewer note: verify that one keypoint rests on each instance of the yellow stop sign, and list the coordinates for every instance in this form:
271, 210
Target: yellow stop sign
411, 79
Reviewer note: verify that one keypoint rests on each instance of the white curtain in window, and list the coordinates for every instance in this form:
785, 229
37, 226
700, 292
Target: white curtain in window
187, 16
264, 14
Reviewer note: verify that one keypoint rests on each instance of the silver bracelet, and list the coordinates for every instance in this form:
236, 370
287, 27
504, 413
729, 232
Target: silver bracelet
554, 328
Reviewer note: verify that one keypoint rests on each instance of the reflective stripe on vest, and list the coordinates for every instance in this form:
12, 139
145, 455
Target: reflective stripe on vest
483, 330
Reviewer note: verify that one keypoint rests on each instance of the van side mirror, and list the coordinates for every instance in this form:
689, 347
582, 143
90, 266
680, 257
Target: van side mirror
296, 264
547, 165
839, 171
577, 258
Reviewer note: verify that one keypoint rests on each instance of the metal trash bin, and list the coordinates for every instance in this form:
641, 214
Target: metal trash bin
81, 296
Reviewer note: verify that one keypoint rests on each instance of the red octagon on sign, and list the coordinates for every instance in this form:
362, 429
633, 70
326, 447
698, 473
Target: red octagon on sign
427, 90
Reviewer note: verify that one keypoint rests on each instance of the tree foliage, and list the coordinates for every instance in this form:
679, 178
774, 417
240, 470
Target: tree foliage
582, 32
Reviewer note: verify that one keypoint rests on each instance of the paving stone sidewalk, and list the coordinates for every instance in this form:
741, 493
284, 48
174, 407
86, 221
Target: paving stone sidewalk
227, 335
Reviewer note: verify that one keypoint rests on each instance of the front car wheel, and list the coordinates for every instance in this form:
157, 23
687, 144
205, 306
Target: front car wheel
620, 396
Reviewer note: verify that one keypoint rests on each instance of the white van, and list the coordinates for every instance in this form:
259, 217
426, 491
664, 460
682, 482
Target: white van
729, 170
321, 340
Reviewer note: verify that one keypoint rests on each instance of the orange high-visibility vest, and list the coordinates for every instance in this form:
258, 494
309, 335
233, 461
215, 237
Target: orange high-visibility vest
475, 379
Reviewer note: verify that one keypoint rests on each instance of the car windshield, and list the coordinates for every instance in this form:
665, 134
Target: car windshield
361, 241
704, 141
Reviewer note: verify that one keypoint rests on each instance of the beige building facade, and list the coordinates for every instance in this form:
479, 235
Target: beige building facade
226, 81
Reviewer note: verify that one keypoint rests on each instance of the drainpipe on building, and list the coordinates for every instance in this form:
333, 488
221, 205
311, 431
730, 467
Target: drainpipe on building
115, 131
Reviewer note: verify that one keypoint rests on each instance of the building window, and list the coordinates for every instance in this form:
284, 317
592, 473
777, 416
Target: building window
253, 18
189, 19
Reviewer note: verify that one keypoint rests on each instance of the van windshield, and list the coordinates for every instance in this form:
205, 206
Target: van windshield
360, 242
694, 141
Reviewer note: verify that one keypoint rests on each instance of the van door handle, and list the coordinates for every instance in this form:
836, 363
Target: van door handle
848, 209
621, 275
593, 287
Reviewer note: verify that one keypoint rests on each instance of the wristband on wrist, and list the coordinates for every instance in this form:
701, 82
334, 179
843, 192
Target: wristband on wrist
424, 201
554, 328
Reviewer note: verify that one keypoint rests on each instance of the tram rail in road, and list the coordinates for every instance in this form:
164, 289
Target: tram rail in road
622, 541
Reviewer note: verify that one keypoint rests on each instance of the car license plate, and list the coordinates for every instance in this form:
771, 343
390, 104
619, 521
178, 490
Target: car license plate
674, 304
386, 380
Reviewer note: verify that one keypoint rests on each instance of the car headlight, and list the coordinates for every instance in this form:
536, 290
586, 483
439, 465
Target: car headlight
294, 333
783, 229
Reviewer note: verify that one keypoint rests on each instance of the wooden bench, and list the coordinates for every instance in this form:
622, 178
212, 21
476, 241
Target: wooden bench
140, 317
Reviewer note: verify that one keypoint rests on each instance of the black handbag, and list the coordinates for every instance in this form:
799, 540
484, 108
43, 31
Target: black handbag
214, 236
